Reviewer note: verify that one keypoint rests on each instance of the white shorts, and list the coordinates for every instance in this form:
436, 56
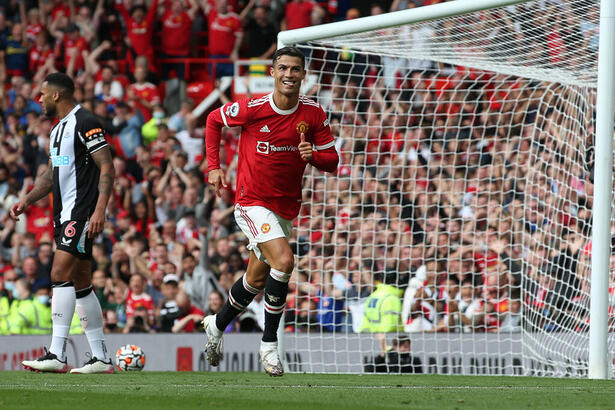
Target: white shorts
260, 224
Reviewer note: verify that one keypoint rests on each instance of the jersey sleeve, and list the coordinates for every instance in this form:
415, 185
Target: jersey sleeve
233, 114
324, 156
92, 134
322, 137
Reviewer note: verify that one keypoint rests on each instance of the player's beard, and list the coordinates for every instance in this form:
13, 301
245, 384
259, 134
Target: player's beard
50, 111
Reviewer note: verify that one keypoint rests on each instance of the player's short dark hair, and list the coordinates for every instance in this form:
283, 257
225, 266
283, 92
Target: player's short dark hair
63, 83
288, 51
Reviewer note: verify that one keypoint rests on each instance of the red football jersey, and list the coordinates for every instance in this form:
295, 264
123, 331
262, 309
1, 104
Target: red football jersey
149, 93
270, 169
140, 34
223, 32
80, 44
135, 301
299, 14
176, 33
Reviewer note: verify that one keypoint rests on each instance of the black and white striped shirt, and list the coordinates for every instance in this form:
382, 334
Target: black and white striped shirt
75, 175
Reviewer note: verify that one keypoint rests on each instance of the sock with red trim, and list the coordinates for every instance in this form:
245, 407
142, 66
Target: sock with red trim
239, 297
276, 289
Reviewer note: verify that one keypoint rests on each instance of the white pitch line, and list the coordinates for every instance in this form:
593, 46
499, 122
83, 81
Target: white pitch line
239, 386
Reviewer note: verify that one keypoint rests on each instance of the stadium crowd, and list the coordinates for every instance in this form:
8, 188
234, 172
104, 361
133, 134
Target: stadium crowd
428, 210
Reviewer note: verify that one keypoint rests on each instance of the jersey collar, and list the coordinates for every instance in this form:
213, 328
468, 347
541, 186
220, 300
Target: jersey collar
71, 113
279, 111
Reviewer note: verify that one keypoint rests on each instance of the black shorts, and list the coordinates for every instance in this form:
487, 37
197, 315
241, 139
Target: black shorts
72, 237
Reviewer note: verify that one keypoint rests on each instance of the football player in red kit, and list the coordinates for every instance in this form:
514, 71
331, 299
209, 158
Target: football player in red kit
281, 133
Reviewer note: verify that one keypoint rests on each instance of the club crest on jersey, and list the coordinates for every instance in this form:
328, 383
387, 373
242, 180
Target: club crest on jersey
262, 147
302, 127
265, 228
232, 110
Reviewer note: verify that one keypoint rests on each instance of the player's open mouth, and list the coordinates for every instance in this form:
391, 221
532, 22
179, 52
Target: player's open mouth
289, 83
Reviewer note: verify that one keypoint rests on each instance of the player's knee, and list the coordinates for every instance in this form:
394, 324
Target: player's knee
258, 283
60, 275
285, 263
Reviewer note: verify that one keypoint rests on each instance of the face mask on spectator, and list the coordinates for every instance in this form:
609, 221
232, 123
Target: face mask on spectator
43, 299
9, 286
15, 293
158, 115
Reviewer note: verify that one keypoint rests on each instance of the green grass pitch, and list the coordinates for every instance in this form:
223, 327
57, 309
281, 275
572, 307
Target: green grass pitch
179, 390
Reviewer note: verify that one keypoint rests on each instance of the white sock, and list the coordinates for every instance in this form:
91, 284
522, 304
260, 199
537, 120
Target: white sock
62, 310
90, 316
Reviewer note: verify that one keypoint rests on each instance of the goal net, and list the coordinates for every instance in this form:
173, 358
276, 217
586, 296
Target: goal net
458, 225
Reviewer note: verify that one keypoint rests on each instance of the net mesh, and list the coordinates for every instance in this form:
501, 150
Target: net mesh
460, 215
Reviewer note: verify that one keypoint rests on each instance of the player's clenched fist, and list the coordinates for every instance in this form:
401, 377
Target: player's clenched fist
217, 179
305, 149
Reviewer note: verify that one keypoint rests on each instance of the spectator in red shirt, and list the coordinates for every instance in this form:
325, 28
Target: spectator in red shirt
57, 8
190, 315
39, 220
142, 94
301, 13
34, 24
73, 46
176, 25
225, 36
138, 297
41, 56
139, 30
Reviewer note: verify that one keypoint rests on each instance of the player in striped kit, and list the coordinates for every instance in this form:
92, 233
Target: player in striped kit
80, 175
281, 133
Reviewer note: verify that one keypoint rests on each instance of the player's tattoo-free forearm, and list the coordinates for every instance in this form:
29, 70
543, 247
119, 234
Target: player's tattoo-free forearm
42, 186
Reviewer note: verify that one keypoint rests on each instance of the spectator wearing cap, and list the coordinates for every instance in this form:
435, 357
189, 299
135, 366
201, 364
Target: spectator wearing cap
190, 316
169, 312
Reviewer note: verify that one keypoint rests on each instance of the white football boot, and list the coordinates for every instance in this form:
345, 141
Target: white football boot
47, 363
214, 345
270, 359
94, 366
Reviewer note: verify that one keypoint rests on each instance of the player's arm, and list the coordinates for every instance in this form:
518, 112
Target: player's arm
325, 158
104, 162
323, 154
42, 187
229, 115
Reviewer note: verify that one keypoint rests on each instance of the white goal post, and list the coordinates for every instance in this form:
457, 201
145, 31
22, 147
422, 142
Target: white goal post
564, 90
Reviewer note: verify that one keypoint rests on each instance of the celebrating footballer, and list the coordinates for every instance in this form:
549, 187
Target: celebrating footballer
281, 133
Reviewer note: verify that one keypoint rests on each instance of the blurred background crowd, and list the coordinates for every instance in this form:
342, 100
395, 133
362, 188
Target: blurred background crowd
425, 226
